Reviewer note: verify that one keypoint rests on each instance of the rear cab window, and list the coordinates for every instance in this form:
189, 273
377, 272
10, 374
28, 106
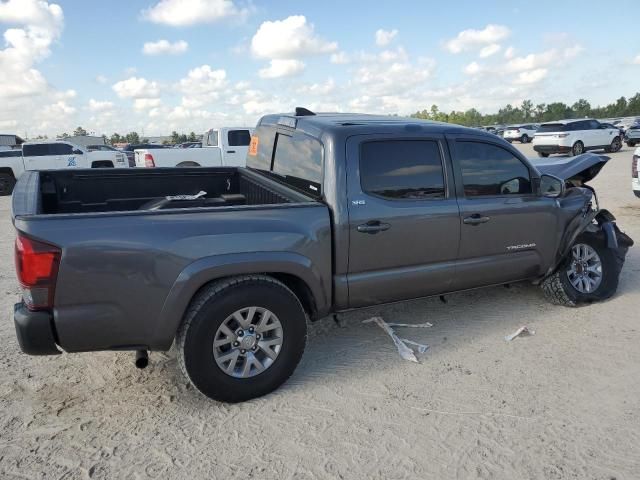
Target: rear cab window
36, 150
238, 138
289, 157
402, 169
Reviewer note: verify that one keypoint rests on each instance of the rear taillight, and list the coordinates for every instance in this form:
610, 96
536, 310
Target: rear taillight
517, 130
148, 160
634, 166
562, 135
37, 268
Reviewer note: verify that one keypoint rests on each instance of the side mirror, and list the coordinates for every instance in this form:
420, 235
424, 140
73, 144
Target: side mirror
551, 187
77, 152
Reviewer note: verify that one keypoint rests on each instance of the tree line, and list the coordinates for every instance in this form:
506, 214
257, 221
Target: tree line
133, 138
528, 112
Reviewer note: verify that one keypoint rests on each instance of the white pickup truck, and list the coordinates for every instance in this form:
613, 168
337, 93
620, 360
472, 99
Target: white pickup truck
52, 155
221, 147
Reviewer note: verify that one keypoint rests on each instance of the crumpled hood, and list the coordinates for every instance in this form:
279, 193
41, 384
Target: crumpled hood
578, 170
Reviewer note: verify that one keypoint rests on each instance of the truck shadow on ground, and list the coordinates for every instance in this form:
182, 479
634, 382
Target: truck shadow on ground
480, 317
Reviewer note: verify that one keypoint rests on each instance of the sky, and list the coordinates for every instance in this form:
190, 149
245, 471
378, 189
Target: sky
154, 66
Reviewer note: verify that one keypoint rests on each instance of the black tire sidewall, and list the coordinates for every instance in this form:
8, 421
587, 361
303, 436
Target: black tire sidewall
610, 272
524, 138
198, 345
573, 149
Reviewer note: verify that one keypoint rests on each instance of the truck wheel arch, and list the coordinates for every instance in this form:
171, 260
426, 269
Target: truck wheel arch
102, 164
294, 270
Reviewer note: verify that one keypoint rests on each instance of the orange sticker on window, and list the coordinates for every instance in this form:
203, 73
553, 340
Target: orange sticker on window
253, 146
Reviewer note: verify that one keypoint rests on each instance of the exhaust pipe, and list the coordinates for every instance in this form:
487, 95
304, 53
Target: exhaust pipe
142, 359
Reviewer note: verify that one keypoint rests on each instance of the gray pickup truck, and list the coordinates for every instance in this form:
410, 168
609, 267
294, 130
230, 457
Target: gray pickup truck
333, 212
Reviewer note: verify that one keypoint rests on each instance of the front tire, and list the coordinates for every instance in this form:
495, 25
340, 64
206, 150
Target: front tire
543, 155
524, 138
631, 144
589, 274
616, 145
241, 338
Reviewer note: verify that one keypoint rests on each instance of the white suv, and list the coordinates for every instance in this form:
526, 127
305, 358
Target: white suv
575, 137
522, 133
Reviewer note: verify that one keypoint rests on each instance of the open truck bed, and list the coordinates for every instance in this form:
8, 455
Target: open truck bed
92, 191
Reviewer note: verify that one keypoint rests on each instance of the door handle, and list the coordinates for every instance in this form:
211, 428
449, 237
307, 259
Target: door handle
475, 219
231, 151
374, 226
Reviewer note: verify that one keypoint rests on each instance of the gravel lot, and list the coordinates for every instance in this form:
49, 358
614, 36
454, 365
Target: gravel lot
564, 403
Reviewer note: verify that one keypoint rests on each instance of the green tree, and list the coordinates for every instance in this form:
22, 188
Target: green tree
116, 138
192, 137
79, 131
581, 108
132, 137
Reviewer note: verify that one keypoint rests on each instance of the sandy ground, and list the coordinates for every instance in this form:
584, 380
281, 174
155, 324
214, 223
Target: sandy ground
561, 404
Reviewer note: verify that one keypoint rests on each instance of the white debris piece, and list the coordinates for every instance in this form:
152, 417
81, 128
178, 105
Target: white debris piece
524, 330
187, 197
411, 325
401, 343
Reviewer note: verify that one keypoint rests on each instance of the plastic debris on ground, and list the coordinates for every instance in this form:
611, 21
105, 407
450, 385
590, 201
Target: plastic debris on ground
186, 197
522, 331
401, 344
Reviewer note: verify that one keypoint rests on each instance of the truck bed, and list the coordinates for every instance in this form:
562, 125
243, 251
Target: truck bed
93, 191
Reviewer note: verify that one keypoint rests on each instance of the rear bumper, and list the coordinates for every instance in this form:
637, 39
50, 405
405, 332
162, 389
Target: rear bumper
635, 186
551, 149
34, 331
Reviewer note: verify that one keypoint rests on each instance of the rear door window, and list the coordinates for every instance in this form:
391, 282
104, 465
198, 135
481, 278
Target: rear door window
402, 169
36, 150
238, 138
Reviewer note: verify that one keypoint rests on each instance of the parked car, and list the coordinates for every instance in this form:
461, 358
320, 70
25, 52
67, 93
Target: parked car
575, 137
51, 155
221, 147
333, 212
635, 177
129, 149
632, 136
522, 133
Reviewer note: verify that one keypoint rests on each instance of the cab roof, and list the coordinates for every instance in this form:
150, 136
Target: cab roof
315, 124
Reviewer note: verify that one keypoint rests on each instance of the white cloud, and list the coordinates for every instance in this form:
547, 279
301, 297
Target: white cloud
385, 37
181, 13
135, 87
636, 60
473, 39
489, 50
99, 106
141, 104
101, 79
340, 58
202, 85
290, 38
164, 47
282, 68
318, 88
542, 59
509, 53
530, 77
472, 69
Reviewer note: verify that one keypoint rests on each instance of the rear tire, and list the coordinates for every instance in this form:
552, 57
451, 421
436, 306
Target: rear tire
559, 289
7, 182
543, 155
631, 144
524, 138
211, 310
577, 149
